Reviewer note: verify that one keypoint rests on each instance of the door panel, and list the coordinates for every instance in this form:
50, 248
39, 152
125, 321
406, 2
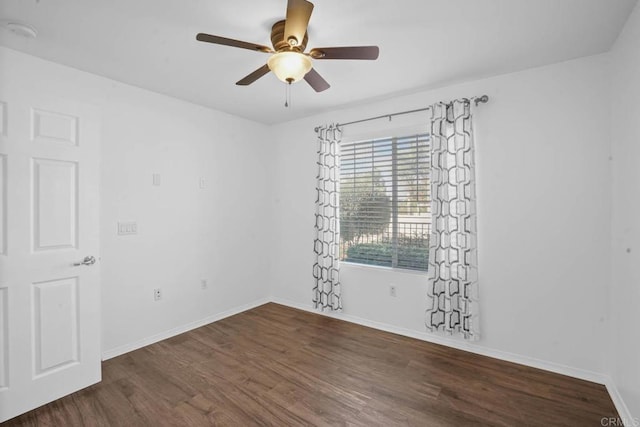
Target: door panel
50, 319
55, 322
47, 126
3, 118
4, 349
55, 186
3, 204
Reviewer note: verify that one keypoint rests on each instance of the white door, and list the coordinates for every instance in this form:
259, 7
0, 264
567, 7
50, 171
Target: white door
49, 200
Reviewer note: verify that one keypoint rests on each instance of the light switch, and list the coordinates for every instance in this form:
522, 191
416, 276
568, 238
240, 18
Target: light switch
202, 183
156, 179
127, 227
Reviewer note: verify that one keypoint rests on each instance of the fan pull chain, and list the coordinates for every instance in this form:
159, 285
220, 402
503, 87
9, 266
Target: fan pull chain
287, 94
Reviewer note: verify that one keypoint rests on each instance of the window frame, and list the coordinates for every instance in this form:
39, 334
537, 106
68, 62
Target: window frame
397, 133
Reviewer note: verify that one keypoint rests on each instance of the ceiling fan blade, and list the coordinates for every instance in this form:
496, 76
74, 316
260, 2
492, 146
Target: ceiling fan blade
254, 76
231, 42
316, 81
347, 52
298, 15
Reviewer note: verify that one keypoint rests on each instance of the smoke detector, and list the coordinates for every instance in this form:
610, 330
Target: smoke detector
21, 29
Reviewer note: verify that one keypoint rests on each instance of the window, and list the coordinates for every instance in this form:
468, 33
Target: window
385, 211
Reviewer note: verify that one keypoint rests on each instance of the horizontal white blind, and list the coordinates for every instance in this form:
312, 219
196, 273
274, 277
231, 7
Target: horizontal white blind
385, 207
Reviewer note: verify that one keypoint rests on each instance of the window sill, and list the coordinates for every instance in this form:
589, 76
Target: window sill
353, 265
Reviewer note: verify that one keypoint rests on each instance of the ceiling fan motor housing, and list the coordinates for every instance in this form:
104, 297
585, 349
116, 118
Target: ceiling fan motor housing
280, 44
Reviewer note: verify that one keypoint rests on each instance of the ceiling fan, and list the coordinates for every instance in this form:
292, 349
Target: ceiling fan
289, 38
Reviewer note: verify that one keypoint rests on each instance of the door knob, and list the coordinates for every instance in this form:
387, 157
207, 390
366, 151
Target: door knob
88, 260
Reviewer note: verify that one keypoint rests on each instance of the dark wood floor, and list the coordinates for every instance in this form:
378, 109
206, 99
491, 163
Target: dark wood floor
275, 365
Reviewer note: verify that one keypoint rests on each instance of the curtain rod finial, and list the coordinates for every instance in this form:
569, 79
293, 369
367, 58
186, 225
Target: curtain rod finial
481, 99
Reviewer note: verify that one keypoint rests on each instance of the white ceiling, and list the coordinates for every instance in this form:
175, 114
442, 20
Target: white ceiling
423, 44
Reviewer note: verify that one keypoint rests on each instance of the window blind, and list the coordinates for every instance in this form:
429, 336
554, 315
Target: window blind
385, 211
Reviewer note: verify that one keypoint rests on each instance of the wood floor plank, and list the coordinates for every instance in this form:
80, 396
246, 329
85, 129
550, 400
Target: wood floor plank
279, 366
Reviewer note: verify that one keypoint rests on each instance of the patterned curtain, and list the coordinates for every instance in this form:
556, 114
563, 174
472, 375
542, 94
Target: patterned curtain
326, 269
453, 276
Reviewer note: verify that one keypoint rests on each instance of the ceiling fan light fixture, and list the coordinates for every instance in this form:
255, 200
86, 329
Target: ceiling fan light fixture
289, 67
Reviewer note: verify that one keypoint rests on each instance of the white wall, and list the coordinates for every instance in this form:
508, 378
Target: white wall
543, 217
185, 233
624, 351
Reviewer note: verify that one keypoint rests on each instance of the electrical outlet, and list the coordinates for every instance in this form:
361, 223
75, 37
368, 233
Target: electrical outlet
392, 290
157, 294
204, 284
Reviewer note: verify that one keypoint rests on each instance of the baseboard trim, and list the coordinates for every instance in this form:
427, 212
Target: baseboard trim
118, 351
622, 408
460, 345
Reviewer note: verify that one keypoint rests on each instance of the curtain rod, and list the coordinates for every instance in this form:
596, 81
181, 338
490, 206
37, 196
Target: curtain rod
477, 99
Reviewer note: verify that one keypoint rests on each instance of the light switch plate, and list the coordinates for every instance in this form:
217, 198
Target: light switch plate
127, 227
156, 179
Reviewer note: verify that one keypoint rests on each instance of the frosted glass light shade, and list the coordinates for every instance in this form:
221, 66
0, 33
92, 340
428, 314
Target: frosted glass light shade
289, 66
